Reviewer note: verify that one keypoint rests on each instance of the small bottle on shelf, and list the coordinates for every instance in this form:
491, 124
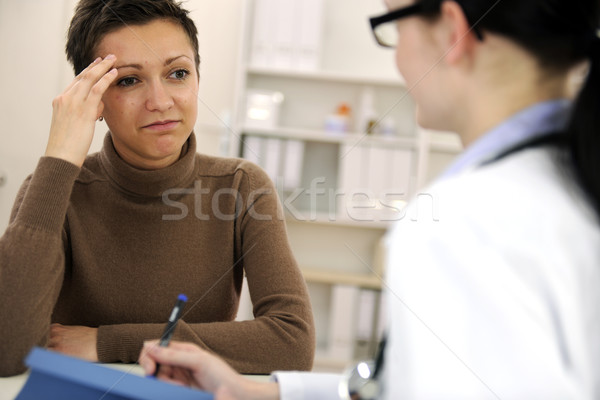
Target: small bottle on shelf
339, 122
367, 117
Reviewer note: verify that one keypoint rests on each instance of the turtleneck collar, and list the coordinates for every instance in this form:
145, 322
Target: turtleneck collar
149, 182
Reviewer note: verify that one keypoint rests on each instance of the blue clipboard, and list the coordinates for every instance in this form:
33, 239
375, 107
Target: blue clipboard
56, 376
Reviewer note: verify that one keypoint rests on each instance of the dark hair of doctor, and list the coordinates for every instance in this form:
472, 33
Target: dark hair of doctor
559, 34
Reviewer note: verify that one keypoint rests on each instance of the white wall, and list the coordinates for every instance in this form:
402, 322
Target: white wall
219, 26
34, 70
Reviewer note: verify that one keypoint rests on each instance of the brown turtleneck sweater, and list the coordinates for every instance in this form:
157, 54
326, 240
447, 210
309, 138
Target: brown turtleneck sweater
111, 246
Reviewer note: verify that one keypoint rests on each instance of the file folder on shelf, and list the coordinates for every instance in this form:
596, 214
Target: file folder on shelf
56, 376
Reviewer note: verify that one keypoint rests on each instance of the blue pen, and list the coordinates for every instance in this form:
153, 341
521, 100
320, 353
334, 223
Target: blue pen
171, 323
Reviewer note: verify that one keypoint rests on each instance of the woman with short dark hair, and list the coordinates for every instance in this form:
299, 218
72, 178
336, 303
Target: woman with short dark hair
99, 247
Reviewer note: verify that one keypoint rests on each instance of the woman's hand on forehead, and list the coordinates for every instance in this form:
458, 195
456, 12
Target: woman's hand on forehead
76, 109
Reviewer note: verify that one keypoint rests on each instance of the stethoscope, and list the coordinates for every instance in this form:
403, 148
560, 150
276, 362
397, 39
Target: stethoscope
361, 381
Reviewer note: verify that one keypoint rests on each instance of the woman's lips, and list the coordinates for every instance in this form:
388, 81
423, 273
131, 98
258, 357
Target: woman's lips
162, 125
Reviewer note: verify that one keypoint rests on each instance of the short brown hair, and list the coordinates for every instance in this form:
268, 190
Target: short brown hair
93, 19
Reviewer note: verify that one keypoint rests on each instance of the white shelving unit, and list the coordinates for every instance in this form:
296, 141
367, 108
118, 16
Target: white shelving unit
332, 247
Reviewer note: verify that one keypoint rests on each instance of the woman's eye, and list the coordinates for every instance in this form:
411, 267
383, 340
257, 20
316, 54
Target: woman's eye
128, 81
180, 74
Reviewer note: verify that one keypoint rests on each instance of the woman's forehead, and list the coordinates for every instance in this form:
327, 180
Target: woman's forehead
148, 40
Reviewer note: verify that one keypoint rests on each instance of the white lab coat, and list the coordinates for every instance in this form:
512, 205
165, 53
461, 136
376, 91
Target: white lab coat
493, 280
493, 290
494, 287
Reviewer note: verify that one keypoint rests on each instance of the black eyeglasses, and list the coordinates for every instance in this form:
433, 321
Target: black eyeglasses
386, 34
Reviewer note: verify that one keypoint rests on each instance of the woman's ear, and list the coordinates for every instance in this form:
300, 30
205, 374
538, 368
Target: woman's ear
456, 36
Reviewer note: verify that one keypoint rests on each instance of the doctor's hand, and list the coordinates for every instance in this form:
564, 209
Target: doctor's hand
187, 364
77, 341
76, 109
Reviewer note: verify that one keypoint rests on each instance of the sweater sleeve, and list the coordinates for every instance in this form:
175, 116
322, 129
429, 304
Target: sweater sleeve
281, 336
282, 333
32, 261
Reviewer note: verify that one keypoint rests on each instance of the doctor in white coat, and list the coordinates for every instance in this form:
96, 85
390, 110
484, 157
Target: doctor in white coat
493, 286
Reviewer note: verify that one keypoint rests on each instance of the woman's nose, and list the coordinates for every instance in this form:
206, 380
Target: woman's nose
158, 97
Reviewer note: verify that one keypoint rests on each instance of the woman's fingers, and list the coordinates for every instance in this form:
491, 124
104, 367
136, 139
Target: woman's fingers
76, 109
108, 60
169, 370
179, 354
96, 61
87, 88
97, 91
85, 83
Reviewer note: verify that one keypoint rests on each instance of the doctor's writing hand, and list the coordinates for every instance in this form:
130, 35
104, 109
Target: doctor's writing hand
75, 111
187, 364
77, 341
